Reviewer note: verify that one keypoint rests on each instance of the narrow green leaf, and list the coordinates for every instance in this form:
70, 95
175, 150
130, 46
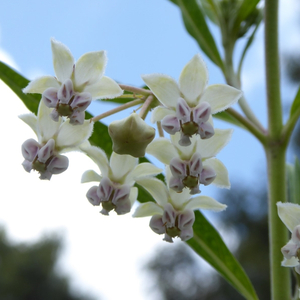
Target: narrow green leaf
195, 24
296, 103
17, 82
225, 116
209, 245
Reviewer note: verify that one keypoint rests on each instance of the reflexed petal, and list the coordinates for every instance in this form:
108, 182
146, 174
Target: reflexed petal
50, 97
170, 124
289, 214
186, 234
183, 111
292, 262
212, 146
30, 149
193, 79
40, 84
89, 176
186, 219
92, 196
98, 156
81, 101
104, 88
289, 250
65, 92
162, 149
204, 202
220, 96
143, 169
46, 151
185, 152
169, 215
121, 165
30, 120
63, 60
178, 167
70, 136
46, 127
133, 195
89, 68
222, 179
58, 164
157, 225
148, 209
179, 199
160, 112
156, 188
164, 87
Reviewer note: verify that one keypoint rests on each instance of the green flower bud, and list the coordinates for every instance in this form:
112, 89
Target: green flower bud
131, 135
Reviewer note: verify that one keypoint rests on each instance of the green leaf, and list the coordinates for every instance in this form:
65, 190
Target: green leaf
225, 116
195, 24
17, 82
293, 179
209, 245
296, 103
120, 100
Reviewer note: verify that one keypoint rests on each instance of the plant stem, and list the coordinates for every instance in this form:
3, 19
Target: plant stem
117, 109
146, 107
275, 152
135, 90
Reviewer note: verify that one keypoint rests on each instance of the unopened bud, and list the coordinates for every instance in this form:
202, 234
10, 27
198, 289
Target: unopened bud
131, 135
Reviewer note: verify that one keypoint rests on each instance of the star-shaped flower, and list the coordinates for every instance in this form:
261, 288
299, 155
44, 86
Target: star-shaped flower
194, 164
172, 214
289, 214
53, 138
116, 190
75, 85
187, 106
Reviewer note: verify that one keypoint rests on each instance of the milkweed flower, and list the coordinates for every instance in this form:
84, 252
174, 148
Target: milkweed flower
188, 105
118, 175
53, 138
172, 214
289, 214
194, 164
75, 85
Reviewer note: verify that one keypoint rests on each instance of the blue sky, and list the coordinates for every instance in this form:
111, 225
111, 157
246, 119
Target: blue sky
140, 37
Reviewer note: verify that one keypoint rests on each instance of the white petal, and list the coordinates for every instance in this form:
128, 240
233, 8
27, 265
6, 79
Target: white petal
46, 127
222, 179
40, 84
89, 176
162, 149
212, 146
193, 79
184, 152
204, 202
160, 112
220, 96
30, 120
156, 188
89, 68
133, 195
63, 60
104, 88
121, 166
292, 262
180, 199
164, 87
98, 156
143, 169
70, 136
148, 209
289, 214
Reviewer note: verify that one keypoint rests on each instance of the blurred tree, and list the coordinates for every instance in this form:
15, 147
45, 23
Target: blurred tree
178, 274
27, 271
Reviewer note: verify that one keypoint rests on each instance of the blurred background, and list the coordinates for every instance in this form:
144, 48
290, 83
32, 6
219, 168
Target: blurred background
53, 243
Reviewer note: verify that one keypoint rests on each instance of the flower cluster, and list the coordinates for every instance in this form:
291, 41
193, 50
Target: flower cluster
183, 110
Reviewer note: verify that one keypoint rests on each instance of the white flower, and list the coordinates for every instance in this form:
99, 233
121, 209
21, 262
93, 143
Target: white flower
117, 178
75, 85
194, 164
289, 214
189, 104
53, 138
172, 214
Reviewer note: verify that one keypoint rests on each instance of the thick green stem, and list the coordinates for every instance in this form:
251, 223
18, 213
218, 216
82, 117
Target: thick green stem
278, 234
275, 151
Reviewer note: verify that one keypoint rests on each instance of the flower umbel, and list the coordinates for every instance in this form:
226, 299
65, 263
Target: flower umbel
187, 106
75, 85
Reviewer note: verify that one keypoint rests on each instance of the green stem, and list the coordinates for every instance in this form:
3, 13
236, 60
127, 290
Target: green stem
135, 90
146, 107
275, 152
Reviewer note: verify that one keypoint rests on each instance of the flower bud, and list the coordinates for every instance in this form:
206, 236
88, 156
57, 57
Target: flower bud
131, 135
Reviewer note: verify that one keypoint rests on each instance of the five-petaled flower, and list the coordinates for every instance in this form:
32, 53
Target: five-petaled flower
194, 164
189, 104
53, 138
116, 190
75, 85
172, 214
